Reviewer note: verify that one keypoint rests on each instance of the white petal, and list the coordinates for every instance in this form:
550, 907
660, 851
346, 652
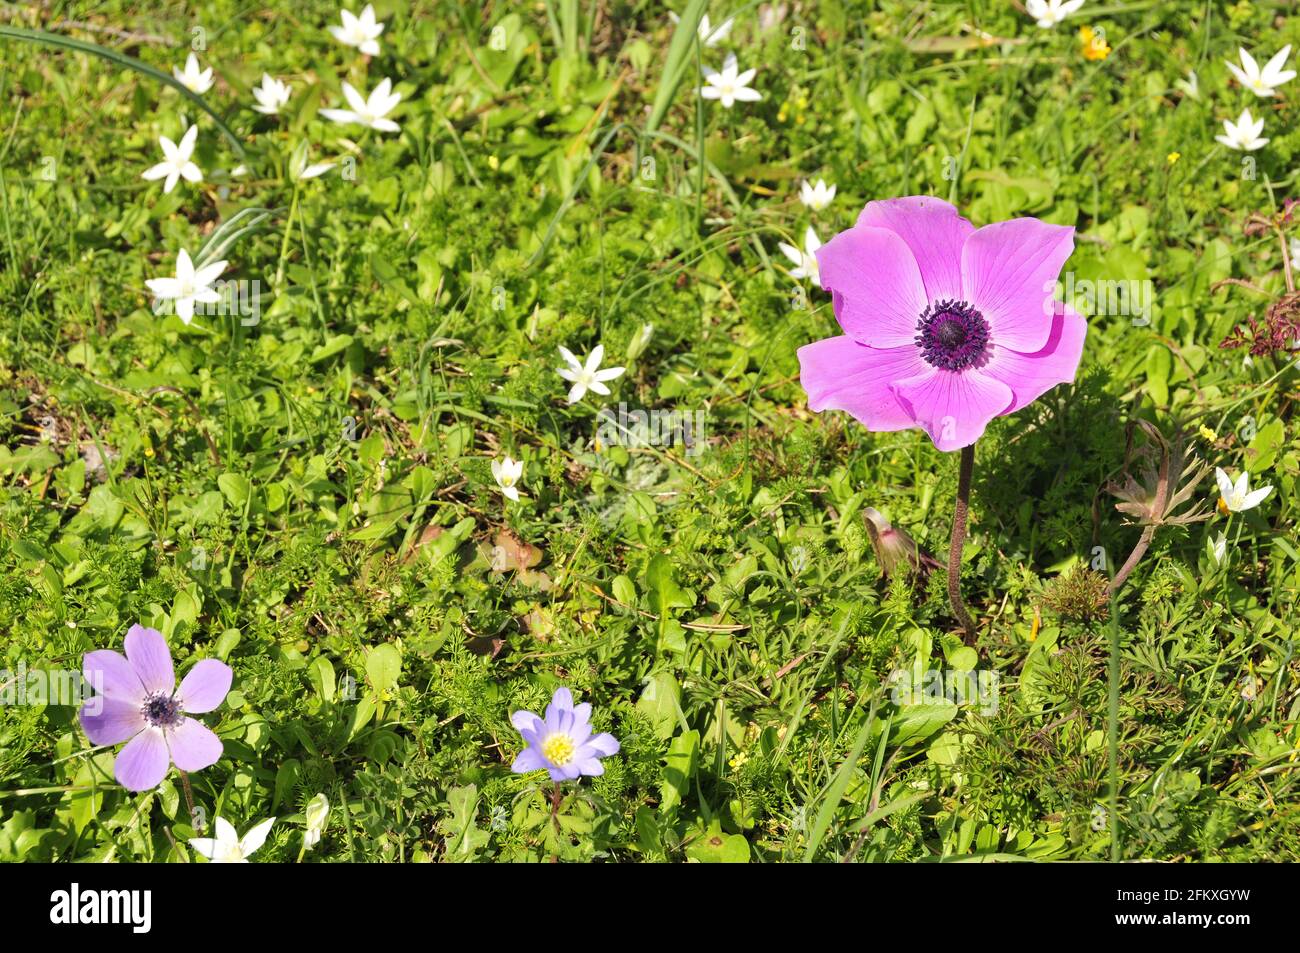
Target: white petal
163, 288
256, 837
354, 98
1257, 497
186, 147
1225, 484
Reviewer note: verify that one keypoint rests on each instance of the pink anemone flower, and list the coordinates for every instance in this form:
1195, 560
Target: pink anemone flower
946, 325
140, 703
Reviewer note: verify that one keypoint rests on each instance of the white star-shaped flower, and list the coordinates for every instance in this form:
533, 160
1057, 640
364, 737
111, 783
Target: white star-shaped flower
368, 112
587, 376
818, 196
1049, 13
176, 162
192, 78
271, 96
189, 286
730, 85
507, 473
1239, 497
1262, 82
228, 847
805, 262
361, 32
708, 35
1244, 134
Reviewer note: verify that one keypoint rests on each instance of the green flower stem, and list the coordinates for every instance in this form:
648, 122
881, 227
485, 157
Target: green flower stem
284, 245
958, 537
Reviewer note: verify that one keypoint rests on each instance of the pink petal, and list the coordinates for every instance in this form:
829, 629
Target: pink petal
110, 674
933, 231
206, 686
148, 654
143, 763
875, 284
1009, 272
1031, 375
953, 407
840, 374
110, 721
193, 745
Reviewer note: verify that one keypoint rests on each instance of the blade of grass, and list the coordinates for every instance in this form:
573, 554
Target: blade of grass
121, 59
679, 50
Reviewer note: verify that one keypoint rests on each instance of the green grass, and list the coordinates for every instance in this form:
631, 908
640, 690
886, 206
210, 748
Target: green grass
293, 495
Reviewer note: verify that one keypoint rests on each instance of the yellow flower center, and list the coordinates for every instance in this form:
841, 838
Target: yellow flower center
558, 749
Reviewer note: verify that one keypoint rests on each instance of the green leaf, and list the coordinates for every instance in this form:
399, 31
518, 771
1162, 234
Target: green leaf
235, 488
682, 761
383, 667
715, 847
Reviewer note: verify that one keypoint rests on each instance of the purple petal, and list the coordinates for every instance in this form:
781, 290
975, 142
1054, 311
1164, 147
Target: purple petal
530, 759
147, 651
193, 745
566, 773
605, 744
533, 736
109, 673
115, 721
143, 763
563, 698
1009, 272
206, 686
933, 231
579, 732
840, 374
875, 284
954, 407
524, 721
589, 766
1031, 375
582, 713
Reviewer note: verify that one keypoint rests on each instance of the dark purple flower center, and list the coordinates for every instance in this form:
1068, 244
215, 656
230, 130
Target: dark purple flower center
952, 335
162, 711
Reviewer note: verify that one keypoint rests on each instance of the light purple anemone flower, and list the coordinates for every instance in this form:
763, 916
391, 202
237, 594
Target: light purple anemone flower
946, 326
140, 704
562, 742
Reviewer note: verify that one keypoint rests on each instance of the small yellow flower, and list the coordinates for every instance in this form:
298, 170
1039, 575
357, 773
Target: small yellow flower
493, 162
1171, 159
1094, 43
1208, 434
